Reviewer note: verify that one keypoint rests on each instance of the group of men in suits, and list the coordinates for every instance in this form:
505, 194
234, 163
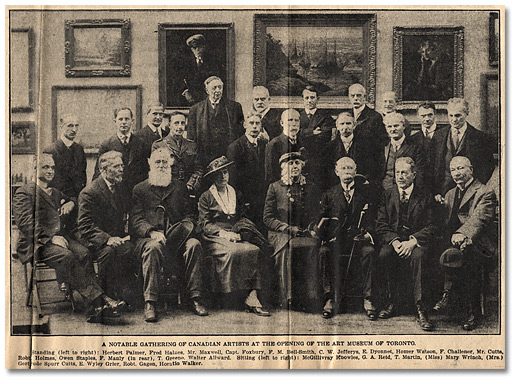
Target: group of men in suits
145, 184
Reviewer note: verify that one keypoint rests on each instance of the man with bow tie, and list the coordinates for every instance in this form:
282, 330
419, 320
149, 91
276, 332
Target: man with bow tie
288, 141
215, 122
133, 150
165, 234
471, 238
247, 176
102, 220
405, 228
315, 132
461, 139
341, 209
39, 212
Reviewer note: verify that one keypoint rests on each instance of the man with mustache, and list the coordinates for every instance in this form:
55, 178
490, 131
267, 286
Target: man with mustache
270, 117
160, 220
215, 122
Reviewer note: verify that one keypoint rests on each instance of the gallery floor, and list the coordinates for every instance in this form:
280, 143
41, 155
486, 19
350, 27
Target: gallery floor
178, 320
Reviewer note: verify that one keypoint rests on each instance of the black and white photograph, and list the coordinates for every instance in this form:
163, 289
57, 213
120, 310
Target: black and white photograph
255, 187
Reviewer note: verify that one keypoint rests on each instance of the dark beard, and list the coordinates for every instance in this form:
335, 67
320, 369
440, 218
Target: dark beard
160, 178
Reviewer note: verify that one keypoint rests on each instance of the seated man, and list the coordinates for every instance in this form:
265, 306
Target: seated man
405, 228
102, 221
159, 220
39, 212
472, 239
345, 204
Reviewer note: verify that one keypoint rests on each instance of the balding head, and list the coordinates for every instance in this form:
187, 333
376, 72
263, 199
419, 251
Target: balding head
357, 95
461, 170
261, 98
290, 122
345, 170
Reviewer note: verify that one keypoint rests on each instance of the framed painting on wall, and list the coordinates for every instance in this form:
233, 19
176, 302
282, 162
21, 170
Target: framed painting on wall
94, 106
490, 108
188, 55
494, 38
428, 65
97, 48
21, 70
23, 137
329, 51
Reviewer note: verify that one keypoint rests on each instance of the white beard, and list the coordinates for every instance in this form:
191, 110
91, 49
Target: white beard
160, 178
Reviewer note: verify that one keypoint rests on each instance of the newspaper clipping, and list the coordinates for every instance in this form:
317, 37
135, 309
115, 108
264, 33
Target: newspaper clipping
255, 187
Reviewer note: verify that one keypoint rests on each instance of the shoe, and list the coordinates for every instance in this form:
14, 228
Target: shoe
422, 319
104, 315
149, 312
328, 310
388, 312
370, 310
443, 303
198, 308
470, 323
113, 303
259, 311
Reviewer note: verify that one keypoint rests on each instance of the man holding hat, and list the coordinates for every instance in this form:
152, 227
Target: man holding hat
201, 65
215, 122
469, 211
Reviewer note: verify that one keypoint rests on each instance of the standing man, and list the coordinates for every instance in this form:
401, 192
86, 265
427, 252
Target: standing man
270, 118
462, 139
39, 210
155, 129
133, 150
470, 237
370, 131
401, 145
185, 154
69, 158
164, 229
248, 173
101, 222
215, 122
345, 203
389, 103
315, 131
200, 65
405, 228
287, 142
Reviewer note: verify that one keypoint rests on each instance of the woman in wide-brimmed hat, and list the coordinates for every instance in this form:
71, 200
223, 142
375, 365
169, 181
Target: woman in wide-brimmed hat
232, 241
290, 212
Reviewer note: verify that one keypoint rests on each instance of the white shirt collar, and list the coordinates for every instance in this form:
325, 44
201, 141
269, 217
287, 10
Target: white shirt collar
467, 184
68, 143
265, 112
429, 130
310, 111
357, 111
462, 129
398, 142
347, 187
251, 140
110, 186
120, 136
408, 191
153, 128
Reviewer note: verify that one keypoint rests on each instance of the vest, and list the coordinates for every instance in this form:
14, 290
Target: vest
388, 180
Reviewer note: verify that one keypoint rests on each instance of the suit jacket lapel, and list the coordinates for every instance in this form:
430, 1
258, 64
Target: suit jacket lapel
106, 192
43, 196
413, 200
470, 192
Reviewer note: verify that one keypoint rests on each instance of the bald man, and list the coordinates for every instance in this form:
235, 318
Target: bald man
345, 202
370, 131
287, 141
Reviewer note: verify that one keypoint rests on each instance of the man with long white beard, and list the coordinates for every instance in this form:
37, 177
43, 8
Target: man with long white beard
164, 230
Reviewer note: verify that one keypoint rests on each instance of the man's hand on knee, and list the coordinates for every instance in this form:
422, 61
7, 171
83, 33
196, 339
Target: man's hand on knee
60, 241
158, 236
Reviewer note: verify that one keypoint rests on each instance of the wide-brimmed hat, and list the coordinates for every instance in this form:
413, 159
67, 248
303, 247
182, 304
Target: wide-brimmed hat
195, 40
291, 156
218, 164
451, 258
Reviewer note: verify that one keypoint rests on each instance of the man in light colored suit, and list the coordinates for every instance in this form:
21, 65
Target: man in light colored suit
473, 241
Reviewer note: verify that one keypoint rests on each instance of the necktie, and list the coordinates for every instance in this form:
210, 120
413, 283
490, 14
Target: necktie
309, 116
347, 195
456, 138
404, 197
396, 147
125, 140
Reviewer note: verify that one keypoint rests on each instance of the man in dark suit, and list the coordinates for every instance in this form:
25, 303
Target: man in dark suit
270, 117
344, 204
155, 129
161, 222
462, 139
471, 239
215, 122
133, 150
101, 222
201, 64
288, 141
69, 159
429, 131
370, 131
405, 228
39, 210
185, 153
247, 175
400, 145
315, 132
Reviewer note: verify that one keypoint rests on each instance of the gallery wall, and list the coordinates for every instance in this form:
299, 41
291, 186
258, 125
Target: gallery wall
49, 56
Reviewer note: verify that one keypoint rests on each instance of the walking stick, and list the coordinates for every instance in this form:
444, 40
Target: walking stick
361, 215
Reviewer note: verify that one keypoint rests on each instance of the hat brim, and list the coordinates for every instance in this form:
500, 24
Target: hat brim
452, 258
219, 168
